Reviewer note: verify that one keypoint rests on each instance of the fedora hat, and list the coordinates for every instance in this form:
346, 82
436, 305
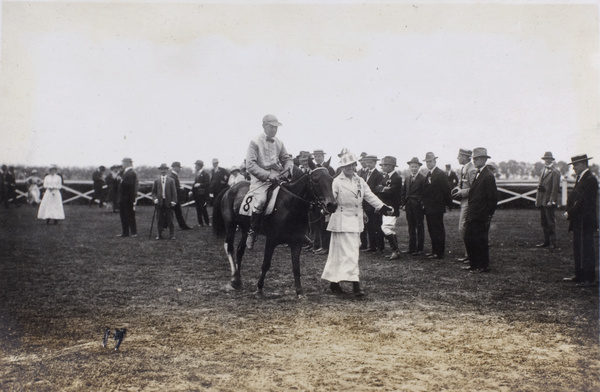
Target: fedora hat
466, 152
347, 158
271, 120
388, 160
429, 157
163, 166
548, 155
579, 158
304, 155
480, 152
176, 164
370, 157
414, 160
199, 162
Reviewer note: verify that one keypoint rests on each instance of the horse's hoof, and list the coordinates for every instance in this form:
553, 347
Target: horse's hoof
259, 294
229, 287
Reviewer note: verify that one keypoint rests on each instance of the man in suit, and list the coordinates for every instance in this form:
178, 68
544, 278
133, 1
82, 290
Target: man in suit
98, 185
200, 193
582, 213
126, 196
164, 194
412, 203
364, 240
547, 199
436, 197
175, 168
318, 221
373, 177
461, 192
389, 191
218, 179
10, 183
483, 197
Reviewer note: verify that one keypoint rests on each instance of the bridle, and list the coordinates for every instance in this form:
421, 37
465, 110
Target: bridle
318, 202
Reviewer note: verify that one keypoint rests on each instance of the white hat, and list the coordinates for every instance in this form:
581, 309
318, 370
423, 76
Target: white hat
347, 158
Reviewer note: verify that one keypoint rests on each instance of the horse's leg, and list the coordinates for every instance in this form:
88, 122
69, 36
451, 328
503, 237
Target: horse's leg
241, 248
269, 249
296, 249
236, 279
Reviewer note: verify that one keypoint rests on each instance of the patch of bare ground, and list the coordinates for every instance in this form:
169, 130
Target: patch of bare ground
425, 325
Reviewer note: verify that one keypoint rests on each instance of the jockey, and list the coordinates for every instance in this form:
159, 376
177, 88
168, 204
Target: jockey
266, 160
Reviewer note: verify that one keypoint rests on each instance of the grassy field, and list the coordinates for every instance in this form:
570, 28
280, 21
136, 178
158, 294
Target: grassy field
424, 326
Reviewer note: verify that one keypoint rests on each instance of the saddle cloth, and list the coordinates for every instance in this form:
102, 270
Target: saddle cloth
248, 203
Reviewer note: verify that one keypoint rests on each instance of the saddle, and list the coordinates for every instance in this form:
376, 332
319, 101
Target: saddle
246, 203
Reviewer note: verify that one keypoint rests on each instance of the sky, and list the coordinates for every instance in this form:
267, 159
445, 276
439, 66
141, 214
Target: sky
86, 84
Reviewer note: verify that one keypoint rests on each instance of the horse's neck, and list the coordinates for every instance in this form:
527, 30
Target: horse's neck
298, 187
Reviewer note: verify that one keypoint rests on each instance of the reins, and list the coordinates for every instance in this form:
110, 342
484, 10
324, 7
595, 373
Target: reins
312, 191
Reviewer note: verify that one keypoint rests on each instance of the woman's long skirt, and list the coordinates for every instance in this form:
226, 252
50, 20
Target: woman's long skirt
51, 206
342, 260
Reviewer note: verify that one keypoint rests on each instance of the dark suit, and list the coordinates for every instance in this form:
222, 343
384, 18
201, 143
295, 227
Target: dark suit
389, 191
483, 198
126, 196
412, 200
200, 195
98, 183
177, 207
373, 225
10, 188
165, 204
436, 197
582, 207
546, 200
218, 181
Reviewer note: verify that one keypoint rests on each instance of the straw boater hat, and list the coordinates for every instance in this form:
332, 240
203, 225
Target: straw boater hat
319, 152
271, 120
429, 157
480, 152
548, 155
414, 160
579, 158
346, 158
464, 151
163, 166
388, 160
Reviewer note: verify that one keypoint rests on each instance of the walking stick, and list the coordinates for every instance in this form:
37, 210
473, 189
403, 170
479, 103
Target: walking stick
152, 224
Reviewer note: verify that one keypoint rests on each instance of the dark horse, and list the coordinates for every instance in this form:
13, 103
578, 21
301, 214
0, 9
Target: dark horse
285, 225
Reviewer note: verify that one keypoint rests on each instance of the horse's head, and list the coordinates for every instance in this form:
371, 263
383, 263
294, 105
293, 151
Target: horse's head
321, 181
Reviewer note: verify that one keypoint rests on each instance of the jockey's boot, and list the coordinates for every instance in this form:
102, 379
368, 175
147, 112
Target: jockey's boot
255, 222
393, 240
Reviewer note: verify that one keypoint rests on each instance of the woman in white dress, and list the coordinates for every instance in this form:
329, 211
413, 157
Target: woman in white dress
33, 188
51, 206
347, 223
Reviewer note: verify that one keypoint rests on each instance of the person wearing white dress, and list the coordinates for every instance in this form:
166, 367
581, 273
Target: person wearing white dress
33, 188
51, 206
347, 223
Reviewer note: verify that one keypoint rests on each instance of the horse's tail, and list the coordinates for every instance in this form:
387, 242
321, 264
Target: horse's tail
218, 223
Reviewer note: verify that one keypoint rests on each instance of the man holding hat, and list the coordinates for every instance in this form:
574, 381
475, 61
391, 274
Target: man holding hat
200, 193
373, 177
461, 192
164, 194
546, 200
175, 168
582, 213
483, 197
126, 197
412, 203
436, 197
266, 160
389, 191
